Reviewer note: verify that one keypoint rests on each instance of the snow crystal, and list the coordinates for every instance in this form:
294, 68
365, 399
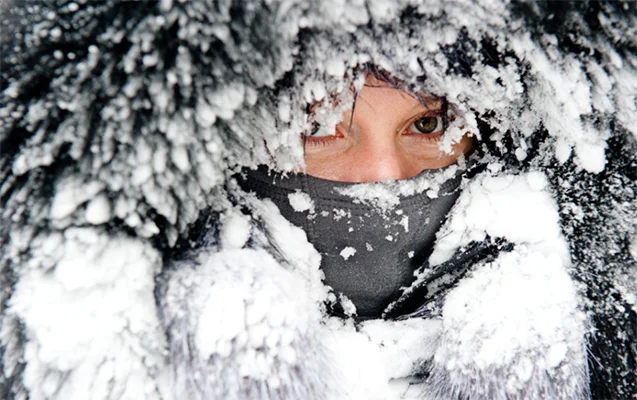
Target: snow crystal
347, 252
301, 202
369, 247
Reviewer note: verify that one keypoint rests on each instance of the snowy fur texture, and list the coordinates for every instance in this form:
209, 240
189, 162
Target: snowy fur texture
243, 325
237, 330
515, 328
122, 124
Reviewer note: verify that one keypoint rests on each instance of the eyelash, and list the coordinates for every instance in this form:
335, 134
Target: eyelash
320, 141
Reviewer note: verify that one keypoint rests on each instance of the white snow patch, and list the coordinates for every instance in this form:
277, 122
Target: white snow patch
632, 247
347, 252
376, 354
235, 231
404, 222
386, 195
70, 193
98, 210
301, 202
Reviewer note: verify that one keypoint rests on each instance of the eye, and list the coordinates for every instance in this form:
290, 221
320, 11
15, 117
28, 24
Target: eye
427, 124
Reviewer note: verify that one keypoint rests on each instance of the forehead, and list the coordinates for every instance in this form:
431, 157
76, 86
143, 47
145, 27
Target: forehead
378, 96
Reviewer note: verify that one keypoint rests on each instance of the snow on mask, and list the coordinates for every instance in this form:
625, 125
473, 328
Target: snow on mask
371, 236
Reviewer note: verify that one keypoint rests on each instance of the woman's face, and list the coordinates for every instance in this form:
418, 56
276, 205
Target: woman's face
392, 136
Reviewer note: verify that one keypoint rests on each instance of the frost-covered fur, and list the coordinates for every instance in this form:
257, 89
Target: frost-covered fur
513, 329
123, 123
242, 325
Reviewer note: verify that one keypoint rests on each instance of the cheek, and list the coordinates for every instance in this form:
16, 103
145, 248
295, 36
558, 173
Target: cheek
327, 167
430, 156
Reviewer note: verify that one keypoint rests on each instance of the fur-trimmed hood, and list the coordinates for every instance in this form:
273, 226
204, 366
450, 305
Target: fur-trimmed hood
132, 266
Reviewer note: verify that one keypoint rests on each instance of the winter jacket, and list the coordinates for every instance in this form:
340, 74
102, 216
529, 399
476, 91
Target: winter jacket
133, 265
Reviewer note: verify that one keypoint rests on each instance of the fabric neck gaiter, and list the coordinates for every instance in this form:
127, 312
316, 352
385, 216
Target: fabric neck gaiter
371, 236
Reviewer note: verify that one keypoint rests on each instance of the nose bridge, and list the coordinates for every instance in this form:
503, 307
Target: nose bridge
379, 157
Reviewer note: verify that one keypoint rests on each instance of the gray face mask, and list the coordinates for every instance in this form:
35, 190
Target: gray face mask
371, 236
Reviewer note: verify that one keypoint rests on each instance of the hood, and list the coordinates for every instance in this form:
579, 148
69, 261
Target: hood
122, 122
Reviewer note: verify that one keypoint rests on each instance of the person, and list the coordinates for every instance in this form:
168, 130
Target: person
191, 207
374, 202
369, 252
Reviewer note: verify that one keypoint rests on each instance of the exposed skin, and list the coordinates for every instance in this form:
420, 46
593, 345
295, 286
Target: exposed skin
383, 142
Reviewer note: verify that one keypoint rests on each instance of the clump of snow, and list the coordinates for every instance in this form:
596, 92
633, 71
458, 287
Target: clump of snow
98, 210
386, 195
626, 284
234, 308
404, 221
348, 305
235, 230
358, 362
70, 194
239, 314
292, 242
347, 252
301, 202
372, 357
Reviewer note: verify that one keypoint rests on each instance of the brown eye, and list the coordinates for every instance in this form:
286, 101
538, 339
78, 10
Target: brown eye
428, 124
